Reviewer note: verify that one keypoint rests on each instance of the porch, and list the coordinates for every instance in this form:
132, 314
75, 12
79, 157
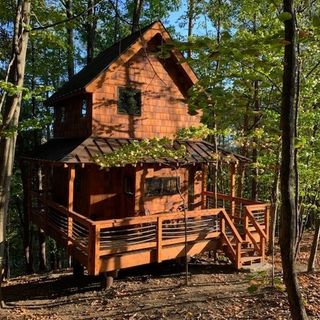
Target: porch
239, 227
122, 218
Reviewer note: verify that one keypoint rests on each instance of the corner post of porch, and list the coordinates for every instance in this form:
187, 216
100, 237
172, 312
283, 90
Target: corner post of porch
204, 186
71, 177
233, 169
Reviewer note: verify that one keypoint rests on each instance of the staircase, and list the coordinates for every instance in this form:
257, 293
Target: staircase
244, 244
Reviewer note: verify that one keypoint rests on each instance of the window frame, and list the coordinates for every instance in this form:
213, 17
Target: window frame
125, 111
163, 186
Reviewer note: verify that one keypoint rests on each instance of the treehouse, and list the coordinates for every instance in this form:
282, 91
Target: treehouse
133, 215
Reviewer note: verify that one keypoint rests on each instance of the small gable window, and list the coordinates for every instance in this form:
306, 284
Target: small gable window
129, 101
161, 186
84, 108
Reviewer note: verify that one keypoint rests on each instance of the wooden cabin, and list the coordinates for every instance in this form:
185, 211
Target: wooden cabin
134, 215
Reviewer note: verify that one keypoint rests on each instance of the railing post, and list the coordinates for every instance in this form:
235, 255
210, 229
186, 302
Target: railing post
94, 250
222, 224
159, 239
262, 248
246, 223
238, 255
267, 221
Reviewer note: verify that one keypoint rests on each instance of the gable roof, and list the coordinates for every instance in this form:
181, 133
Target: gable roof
104, 60
65, 150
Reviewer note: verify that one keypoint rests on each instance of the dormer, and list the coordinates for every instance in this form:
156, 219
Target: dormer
128, 91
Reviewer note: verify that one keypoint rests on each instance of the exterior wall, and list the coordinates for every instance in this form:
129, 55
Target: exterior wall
106, 193
163, 109
165, 203
74, 125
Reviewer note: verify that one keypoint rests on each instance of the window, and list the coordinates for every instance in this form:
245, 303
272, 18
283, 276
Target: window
129, 101
63, 115
128, 185
161, 186
84, 108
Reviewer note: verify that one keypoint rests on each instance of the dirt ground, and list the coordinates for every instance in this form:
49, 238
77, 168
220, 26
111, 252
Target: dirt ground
159, 292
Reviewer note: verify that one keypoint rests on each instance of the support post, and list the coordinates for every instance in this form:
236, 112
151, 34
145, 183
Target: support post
94, 250
204, 186
232, 188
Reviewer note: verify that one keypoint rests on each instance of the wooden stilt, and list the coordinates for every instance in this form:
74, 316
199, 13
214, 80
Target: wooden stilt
107, 279
78, 269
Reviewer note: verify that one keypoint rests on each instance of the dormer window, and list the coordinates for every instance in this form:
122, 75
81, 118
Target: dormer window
84, 108
129, 101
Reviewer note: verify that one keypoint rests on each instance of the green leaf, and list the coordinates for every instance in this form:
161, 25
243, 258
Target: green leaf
316, 21
285, 16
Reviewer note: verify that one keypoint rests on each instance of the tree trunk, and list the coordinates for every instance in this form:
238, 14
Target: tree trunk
137, 8
314, 248
256, 107
10, 116
190, 22
116, 35
287, 173
42, 251
70, 48
91, 30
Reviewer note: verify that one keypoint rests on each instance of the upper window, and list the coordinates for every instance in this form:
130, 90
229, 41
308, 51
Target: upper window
129, 101
161, 186
84, 108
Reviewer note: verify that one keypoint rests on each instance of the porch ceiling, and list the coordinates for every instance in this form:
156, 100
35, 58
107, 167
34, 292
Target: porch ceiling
83, 150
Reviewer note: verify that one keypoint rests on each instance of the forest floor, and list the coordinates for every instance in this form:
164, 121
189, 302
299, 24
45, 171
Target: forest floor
214, 292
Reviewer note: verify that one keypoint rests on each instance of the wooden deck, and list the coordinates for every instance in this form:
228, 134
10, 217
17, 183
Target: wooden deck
238, 226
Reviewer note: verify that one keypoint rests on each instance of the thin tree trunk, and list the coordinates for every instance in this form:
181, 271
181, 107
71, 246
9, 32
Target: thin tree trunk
254, 185
116, 22
10, 117
314, 248
190, 22
91, 30
70, 48
137, 8
287, 174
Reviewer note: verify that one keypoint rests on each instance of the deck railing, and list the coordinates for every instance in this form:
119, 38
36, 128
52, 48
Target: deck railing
89, 240
250, 217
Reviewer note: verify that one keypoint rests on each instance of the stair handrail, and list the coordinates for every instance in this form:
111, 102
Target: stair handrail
237, 251
248, 215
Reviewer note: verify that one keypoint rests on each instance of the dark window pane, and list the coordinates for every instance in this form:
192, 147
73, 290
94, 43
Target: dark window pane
128, 185
161, 186
129, 101
84, 108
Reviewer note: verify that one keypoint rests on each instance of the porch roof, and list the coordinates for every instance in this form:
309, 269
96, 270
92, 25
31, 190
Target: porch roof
82, 150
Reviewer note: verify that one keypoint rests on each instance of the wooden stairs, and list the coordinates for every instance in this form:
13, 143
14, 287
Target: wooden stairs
244, 244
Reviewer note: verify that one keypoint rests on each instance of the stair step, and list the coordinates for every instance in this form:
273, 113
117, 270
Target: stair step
252, 258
